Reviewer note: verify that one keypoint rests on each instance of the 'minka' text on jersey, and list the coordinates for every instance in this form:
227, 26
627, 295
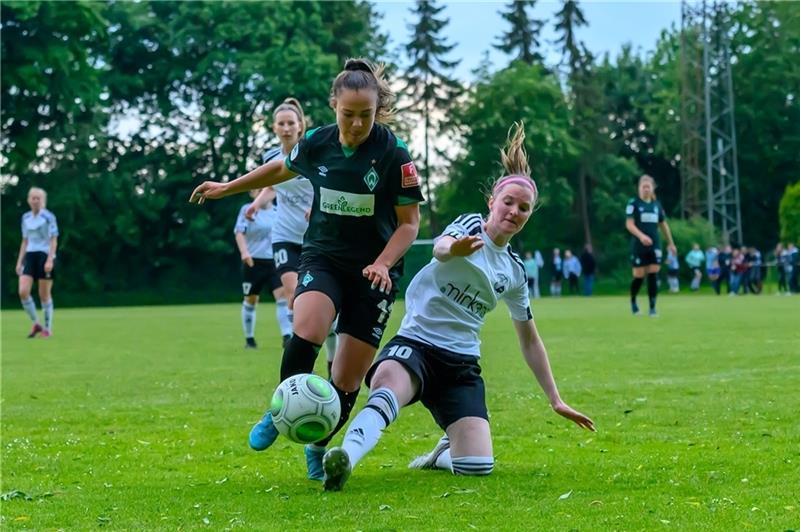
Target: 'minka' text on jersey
355, 193
447, 302
646, 215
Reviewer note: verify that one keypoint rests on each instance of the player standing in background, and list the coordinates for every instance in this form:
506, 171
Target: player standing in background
364, 217
644, 215
254, 240
434, 357
36, 260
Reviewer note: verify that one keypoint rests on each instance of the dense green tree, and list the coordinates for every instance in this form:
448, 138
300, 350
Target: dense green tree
430, 87
790, 213
522, 40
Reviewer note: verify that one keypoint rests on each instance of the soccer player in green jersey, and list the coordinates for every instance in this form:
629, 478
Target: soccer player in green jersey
644, 215
364, 217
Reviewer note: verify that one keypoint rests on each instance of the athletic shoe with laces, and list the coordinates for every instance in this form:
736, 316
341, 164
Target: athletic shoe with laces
314, 461
635, 309
250, 343
428, 461
337, 468
263, 434
35, 330
46, 334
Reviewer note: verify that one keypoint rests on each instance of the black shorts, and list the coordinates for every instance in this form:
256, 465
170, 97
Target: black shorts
451, 386
645, 257
286, 256
33, 265
558, 276
672, 272
261, 274
363, 311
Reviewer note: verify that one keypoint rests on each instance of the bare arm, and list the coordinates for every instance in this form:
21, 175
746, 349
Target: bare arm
668, 235
264, 197
51, 255
22, 248
396, 247
266, 175
241, 243
536, 357
630, 225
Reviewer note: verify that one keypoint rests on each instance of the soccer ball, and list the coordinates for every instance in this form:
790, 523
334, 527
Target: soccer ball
305, 408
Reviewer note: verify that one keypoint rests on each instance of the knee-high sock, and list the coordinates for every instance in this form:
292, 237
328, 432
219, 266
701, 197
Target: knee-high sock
347, 400
248, 319
473, 465
47, 309
30, 309
282, 313
652, 289
636, 284
367, 427
299, 356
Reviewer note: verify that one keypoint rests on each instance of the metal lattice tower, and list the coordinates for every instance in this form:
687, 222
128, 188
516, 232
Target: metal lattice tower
709, 168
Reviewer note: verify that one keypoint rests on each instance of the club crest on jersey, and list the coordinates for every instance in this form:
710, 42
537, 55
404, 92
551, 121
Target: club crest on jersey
307, 278
371, 179
501, 284
410, 176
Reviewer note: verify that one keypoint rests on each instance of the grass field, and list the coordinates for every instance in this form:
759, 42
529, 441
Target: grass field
137, 418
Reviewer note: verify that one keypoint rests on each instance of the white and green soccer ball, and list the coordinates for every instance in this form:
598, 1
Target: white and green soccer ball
305, 408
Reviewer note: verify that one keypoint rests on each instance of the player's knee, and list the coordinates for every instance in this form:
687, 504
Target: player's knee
473, 465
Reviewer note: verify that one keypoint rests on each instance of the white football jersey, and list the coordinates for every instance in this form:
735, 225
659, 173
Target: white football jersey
447, 302
258, 231
294, 200
39, 229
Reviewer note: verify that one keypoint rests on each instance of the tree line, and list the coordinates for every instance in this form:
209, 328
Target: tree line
119, 108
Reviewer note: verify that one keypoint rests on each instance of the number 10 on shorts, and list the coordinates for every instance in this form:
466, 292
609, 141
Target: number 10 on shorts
399, 351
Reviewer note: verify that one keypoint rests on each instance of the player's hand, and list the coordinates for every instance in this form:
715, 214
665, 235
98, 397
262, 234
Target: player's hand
563, 409
466, 246
250, 213
379, 275
646, 240
247, 259
19, 269
48, 265
207, 190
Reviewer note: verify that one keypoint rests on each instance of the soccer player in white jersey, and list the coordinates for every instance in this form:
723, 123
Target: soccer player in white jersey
36, 260
294, 199
434, 357
254, 240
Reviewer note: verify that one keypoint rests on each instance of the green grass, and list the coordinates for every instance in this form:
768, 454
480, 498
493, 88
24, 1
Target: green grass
137, 418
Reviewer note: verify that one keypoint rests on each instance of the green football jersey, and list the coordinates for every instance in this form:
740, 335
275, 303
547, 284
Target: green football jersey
646, 215
355, 193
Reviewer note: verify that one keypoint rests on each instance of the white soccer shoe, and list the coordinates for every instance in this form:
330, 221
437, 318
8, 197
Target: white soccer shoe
428, 461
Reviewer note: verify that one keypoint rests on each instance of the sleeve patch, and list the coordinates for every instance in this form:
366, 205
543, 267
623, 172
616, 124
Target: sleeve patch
410, 176
629, 209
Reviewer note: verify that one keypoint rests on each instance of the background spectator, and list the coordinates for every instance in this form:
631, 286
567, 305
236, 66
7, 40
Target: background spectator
572, 271
695, 259
588, 266
557, 273
673, 270
532, 272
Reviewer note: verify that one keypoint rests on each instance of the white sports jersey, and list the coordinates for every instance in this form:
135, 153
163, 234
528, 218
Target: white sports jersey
446, 302
294, 200
39, 229
258, 232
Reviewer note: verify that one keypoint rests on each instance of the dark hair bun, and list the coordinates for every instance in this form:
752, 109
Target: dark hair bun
358, 64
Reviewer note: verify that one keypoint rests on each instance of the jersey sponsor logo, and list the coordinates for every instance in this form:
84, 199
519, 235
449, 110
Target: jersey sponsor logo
371, 179
468, 301
345, 203
501, 284
650, 217
293, 155
410, 176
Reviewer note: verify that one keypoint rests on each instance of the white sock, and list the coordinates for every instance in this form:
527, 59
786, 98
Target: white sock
248, 319
473, 465
290, 316
366, 429
282, 313
30, 309
330, 346
47, 308
445, 461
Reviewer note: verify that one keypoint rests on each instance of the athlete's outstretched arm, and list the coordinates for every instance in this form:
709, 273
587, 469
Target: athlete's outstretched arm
536, 356
396, 247
448, 247
266, 175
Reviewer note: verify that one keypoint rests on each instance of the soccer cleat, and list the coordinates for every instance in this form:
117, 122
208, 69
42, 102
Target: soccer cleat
263, 434
314, 462
653, 313
634, 309
35, 330
428, 461
337, 468
46, 334
250, 343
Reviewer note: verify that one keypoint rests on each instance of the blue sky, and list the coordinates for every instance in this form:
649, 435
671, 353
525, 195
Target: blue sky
474, 26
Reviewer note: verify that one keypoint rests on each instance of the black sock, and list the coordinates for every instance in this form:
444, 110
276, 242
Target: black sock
298, 357
636, 284
652, 289
347, 400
